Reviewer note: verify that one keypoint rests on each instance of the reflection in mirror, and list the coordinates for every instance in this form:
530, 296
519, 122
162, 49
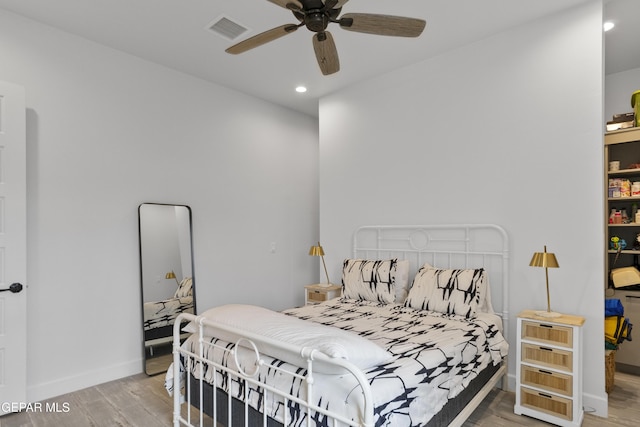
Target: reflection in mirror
166, 276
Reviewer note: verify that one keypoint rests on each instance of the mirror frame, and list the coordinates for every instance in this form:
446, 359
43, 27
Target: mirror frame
163, 362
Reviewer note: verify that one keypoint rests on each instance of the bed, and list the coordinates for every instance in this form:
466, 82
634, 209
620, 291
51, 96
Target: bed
159, 316
416, 339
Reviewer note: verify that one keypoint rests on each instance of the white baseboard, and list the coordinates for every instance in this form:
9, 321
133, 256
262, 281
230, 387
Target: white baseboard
512, 382
595, 405
43, 391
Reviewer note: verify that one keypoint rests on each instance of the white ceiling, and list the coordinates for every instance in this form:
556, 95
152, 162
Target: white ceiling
622, 44
175, 33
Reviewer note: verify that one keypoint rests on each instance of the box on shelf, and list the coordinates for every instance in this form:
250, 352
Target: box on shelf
619, 187
621, 121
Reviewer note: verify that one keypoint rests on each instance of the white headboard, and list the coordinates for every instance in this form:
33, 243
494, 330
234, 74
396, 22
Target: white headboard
444, 246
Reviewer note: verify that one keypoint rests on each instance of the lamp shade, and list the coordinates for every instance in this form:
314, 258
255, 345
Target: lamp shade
316, 250
544, 259
172, 275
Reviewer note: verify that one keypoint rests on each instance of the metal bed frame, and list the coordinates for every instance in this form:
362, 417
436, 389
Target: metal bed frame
444, 246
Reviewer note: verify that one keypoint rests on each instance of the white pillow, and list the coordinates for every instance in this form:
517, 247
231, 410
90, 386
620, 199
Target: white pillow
449, 291
370, 280
402, 281
332, 341
485, 305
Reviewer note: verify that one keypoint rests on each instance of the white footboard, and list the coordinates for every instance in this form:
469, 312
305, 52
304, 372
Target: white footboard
246, 375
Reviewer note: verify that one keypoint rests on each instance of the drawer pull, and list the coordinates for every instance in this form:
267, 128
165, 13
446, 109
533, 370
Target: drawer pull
548, 396
545, 372
546, 349
546, 326
632, 296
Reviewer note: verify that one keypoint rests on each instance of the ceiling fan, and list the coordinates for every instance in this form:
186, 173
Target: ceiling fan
316, 16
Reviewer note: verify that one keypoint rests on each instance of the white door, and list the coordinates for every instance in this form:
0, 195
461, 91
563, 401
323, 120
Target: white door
13, 248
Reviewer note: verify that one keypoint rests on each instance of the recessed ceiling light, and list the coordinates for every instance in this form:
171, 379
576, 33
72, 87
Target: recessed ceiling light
608, 25
301, 89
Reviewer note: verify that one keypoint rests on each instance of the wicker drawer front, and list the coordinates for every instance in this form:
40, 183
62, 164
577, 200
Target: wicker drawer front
316, 296
547, 380
553, 405
544, 332
551, 357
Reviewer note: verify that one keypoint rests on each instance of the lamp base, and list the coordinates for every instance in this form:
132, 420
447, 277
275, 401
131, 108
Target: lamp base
548, 314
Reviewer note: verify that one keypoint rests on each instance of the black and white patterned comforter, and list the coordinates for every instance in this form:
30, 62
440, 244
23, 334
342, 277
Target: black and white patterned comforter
164, 313
435, 356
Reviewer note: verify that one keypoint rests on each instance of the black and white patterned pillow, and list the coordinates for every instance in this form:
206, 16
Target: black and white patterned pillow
369, 280
449, 291
184, 290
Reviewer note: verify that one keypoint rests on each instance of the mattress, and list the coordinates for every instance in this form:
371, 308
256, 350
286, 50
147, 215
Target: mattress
252, 417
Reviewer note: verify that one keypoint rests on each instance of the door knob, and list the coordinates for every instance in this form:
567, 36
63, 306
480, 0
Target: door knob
14, 288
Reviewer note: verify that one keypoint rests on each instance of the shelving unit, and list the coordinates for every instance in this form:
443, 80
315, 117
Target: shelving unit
623, 146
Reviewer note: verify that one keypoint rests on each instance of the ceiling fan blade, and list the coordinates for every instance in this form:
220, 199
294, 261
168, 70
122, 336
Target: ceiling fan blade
296, 5
262, 38
326, 53
383, 25
331, 4
340, 4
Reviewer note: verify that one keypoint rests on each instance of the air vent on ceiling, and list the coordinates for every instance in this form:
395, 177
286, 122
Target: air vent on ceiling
227, 28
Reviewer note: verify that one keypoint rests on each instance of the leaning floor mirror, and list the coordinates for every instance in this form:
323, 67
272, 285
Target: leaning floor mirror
166, 277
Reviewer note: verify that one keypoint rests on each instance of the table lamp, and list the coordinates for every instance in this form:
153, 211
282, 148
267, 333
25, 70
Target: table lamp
172, 275
318, 251
547, 260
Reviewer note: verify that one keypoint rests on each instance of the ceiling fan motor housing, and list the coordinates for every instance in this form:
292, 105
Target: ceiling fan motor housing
316, 15
316, 21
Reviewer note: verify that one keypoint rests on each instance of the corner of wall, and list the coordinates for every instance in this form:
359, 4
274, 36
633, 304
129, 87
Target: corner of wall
595, 405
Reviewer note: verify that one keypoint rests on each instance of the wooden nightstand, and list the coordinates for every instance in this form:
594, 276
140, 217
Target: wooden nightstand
313, 294
549, 368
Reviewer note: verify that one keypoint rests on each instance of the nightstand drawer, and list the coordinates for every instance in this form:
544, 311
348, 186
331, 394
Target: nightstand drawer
546, 356
547, 380
547, 333
548, 403
316, 296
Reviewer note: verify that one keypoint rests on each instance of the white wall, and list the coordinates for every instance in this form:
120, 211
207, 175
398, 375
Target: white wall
619, 88
161, 249
106, 132
506, 131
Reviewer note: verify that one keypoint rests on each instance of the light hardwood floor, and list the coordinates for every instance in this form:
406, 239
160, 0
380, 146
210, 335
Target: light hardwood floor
142, 401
